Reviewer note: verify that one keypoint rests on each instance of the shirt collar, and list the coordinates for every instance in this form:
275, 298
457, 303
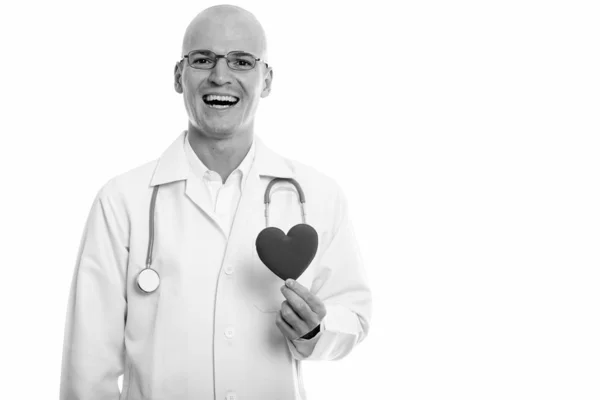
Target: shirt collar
173, 164
200, 170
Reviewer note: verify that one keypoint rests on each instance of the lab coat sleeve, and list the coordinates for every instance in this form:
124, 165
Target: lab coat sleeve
93, 348
341, 283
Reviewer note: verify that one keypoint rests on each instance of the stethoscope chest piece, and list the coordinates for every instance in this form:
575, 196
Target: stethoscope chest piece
148, 280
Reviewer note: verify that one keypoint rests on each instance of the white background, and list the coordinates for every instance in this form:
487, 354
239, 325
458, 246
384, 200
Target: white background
464, 133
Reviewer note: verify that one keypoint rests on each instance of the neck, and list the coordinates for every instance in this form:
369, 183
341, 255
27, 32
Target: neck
222, 155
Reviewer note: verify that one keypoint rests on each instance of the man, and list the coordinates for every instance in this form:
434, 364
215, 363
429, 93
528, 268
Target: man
220, 325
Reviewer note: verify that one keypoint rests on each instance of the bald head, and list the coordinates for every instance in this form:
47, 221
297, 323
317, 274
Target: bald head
225, 28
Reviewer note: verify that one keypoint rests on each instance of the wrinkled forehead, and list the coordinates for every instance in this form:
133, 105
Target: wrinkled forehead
224, 33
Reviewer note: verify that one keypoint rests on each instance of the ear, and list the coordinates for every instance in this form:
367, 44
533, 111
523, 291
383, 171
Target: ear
267, 83
177, 76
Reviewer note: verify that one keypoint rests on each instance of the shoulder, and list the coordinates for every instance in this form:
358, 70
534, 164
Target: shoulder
323, 192
129, 185
304, 170
326, 201
316, 184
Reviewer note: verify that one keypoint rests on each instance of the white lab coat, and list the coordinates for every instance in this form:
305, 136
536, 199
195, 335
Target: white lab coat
209, 331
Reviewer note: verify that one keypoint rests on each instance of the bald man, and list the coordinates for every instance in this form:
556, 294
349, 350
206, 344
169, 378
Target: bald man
169, 291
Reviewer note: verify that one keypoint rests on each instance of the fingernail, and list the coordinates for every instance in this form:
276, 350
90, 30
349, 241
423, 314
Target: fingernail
289, 283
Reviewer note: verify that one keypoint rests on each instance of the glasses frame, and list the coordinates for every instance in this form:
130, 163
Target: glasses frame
217, 56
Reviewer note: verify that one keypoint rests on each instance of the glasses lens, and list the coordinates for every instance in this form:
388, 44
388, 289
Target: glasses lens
240, 61
202, 59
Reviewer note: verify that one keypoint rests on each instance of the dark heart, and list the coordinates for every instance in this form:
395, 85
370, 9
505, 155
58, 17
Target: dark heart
287, 256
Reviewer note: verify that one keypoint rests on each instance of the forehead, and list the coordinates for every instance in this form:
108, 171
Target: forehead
223, 34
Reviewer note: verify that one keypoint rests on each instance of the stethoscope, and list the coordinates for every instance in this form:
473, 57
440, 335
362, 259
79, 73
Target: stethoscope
148, 279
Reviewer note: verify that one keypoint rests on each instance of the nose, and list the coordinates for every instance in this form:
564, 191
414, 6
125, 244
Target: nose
220, 74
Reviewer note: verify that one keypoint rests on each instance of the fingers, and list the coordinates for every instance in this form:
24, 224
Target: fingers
298, 305
299, 296
301, 312
289, 316
283, 326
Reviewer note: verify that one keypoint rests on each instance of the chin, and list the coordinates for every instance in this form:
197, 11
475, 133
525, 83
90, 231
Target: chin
218, 130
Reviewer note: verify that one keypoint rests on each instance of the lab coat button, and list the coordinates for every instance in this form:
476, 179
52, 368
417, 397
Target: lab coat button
229, 332
229, 270
231, 396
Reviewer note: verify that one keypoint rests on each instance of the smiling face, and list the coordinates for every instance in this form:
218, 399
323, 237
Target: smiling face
222, 102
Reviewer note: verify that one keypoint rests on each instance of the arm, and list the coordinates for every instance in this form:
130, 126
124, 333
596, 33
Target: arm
93, 348
341, 284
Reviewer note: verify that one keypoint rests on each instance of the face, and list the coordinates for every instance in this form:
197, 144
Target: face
222, 102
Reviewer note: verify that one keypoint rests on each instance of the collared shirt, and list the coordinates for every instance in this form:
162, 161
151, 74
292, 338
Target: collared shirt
223, 197
209, 331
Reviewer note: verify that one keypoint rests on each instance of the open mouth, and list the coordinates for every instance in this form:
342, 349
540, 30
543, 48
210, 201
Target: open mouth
220, 101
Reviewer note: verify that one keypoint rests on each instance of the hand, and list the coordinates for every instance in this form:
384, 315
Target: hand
300, 313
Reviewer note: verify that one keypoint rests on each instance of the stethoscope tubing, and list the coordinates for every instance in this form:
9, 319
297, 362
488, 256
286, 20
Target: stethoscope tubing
299, 190
151, 219
267, 200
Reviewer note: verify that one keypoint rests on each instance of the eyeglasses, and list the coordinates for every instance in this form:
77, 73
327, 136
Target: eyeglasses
236, 60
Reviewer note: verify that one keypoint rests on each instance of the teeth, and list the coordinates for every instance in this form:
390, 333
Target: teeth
213, 97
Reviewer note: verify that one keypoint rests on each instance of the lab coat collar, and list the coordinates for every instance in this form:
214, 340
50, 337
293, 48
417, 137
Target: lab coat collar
173, 166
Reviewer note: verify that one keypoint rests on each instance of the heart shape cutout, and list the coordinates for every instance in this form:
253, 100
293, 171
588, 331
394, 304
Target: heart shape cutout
287, 256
